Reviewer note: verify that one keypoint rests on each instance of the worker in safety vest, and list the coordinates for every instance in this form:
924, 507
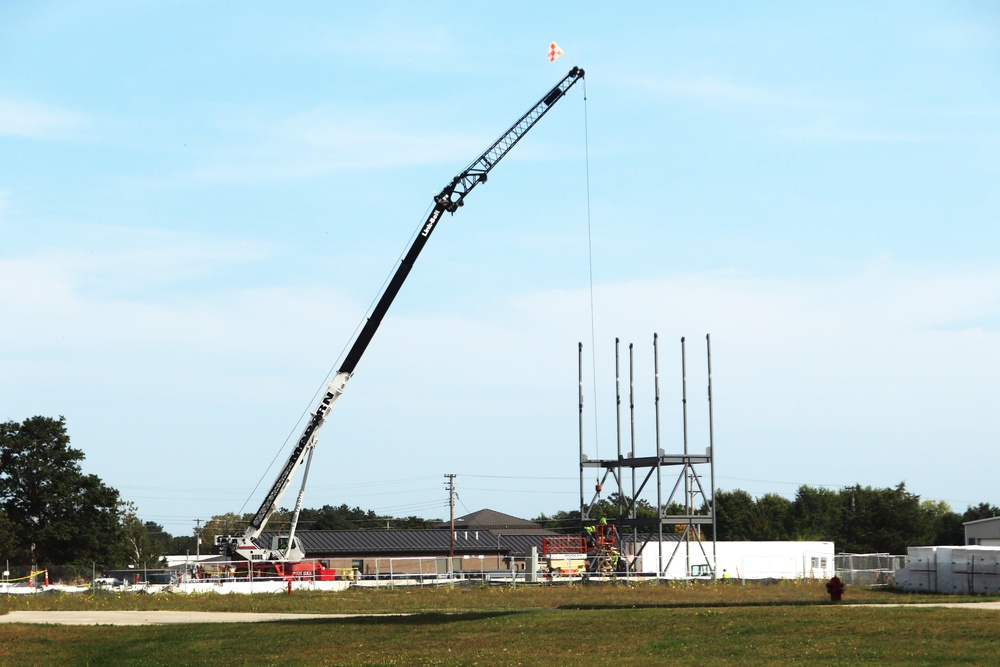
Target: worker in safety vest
606, 532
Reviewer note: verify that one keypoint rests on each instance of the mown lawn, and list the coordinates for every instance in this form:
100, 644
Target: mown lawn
470, 598
783, 624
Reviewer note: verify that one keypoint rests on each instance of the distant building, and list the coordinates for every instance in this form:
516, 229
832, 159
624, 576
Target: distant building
484, 541
738, 560
983, 532
496, 522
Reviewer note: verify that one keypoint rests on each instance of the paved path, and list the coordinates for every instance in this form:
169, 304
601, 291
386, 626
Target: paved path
953, 605
175, 617
156, 617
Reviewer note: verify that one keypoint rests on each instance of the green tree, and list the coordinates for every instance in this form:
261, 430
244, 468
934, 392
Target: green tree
8, 540
773, 518
817, 514
68, 516
159, 539
735, 515
945, 525
415, 522
563, 521
883, 520
143, 541
980, 511
229, 523
181, 544
328, 517
610, 507
855, 518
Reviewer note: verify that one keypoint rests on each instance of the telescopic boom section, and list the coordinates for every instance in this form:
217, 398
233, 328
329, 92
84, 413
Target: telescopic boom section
449, 199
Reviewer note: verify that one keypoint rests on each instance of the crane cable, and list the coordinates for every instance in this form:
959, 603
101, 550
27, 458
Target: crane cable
333, 369
590, 266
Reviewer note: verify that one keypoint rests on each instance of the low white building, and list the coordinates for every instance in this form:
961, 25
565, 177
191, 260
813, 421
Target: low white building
740, 560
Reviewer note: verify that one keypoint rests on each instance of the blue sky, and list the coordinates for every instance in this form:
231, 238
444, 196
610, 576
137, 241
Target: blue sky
198, 203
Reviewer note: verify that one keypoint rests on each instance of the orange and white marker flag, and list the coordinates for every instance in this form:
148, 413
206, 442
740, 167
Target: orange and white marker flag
554, 52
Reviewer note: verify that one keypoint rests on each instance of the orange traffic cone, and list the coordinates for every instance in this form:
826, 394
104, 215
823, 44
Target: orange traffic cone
46, 577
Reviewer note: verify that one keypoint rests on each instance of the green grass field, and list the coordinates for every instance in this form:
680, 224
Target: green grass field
702, 624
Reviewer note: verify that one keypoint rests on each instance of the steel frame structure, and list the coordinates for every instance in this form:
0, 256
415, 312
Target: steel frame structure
683, 468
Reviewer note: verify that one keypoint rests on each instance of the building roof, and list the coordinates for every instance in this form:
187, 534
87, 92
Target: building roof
487, 519
411, 542
980, 521
482, 532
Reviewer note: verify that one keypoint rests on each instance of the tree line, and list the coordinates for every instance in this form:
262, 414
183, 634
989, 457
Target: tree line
54, 515
857, 519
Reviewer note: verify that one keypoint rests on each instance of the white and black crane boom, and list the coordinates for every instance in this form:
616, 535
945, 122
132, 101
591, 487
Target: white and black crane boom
451, 197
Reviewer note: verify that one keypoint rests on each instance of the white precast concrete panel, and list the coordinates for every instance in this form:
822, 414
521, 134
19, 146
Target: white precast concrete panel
951, 570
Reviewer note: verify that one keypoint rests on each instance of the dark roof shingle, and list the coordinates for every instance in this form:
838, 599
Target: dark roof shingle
412, 542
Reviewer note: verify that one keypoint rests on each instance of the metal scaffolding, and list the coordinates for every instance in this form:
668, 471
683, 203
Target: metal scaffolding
688, 507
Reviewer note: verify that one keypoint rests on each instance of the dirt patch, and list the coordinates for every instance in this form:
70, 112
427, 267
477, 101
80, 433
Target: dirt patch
157, 617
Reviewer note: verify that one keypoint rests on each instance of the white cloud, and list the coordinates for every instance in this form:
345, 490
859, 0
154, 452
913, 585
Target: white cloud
963, 35
719, 90
869, 378
148, 303
854, 378
33, 120
831, 127
328, 139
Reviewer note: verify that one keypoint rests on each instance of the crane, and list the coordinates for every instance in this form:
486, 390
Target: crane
449, 199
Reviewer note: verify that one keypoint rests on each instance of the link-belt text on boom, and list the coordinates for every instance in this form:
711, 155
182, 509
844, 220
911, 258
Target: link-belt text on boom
318, 416
430, 223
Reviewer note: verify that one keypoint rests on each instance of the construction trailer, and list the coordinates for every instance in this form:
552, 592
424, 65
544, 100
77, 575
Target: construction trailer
746, 561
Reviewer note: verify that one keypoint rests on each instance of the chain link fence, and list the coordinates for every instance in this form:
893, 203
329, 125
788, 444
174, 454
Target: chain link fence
868, 569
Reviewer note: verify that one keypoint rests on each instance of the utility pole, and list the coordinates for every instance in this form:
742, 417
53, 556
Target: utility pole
197, 540
451, 513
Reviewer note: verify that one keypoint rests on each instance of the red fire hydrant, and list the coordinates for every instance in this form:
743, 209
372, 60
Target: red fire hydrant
836, 588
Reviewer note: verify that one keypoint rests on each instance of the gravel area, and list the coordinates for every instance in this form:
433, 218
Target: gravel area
155, 617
